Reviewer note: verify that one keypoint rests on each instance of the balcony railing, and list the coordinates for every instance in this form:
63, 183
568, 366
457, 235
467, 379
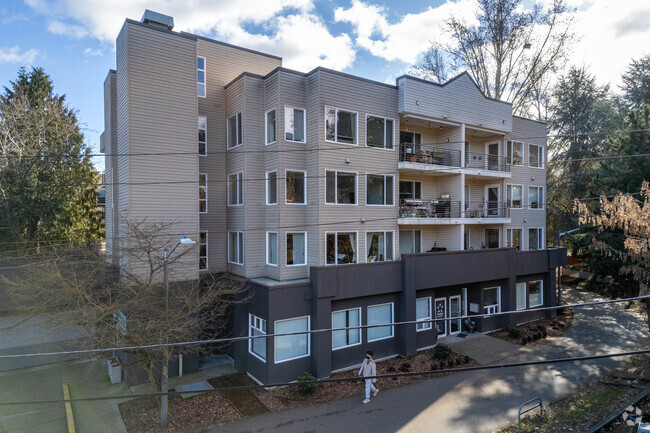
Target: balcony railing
434, 208
434, 155
489, 209
429, 154
486, 161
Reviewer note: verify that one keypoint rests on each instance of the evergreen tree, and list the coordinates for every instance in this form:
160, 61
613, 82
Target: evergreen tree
47, 181
636, 83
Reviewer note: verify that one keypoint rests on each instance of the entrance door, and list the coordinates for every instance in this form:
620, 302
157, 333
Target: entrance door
493, 156
441, 313
454, 311
492, 193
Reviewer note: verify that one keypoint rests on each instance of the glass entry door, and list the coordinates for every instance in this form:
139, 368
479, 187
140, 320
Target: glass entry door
441, 313
454, 311
492, 200
493, 156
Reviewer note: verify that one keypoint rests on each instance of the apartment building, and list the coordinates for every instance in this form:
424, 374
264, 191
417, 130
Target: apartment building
344, 201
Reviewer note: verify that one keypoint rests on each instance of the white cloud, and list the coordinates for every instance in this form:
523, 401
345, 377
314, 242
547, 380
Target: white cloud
91, 52
13, 55
303, 41
406, 39
613, 34
290, 29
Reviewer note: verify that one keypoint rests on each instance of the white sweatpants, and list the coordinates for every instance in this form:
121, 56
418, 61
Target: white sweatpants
369, 387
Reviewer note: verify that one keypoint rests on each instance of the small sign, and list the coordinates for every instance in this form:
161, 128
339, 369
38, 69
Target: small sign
119, 319
473, 308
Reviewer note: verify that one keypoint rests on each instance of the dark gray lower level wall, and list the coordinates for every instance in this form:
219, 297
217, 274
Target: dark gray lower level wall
335, 288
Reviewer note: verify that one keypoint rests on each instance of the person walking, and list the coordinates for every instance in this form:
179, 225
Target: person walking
369, 369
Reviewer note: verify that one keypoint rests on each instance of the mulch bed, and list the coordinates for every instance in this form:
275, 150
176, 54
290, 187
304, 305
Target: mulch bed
553, 328
143, 414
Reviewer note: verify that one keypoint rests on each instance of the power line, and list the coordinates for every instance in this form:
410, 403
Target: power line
343, 379
344, 146
313, 331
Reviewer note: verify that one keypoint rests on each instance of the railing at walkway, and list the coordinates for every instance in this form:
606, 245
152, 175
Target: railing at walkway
434, 208
489, 209
429, 154
486, 162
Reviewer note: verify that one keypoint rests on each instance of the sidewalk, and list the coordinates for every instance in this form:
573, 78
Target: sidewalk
477, 401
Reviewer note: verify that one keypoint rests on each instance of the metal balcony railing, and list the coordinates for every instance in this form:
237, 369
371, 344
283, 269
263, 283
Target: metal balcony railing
429, 154
489, 209
486, 162
434, 208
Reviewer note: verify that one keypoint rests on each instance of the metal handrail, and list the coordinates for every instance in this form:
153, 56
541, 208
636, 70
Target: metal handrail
541, 410
482, 209
486, 161
430, 208
429, 154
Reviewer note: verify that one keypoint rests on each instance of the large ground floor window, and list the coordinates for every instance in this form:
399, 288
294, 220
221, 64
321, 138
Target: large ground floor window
378, 315
346, 319
290, 347
257, 346
492, 300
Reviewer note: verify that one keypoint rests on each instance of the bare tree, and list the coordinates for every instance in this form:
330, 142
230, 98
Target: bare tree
82, 288
632, 217
508, 53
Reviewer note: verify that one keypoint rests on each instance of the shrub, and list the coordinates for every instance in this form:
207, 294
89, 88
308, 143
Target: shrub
391, 369
544, 334
442, 351
533, 336
434, 365
307, 388
540, 335
514, 332
466, 359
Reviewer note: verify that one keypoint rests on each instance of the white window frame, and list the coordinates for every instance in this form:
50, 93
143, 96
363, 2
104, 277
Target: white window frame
336, 125
541, 293
206, 250
540, 155
239, 133
238, 182
205, 134
336, 252
240, 254
510, 149
385, 119
385, 190
412, 232
286, 249
336, 176
494, 308
266, 126
268, 189
427, 325
304, 181
385, 232
252, 324
541, 241
540, 197
307, 335
205, 77
391, 323
205, 188
525, 287
509, 238
277, 247
304, 119
347, 329
509, 188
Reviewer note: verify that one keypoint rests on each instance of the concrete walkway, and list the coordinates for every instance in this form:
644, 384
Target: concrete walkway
472, 402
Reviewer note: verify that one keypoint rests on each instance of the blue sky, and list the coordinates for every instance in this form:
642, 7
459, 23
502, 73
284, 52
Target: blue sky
73, 40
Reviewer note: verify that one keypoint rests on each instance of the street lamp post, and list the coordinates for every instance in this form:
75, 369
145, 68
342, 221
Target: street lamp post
163, 398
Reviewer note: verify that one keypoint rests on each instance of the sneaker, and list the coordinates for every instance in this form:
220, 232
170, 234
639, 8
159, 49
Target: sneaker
366, 401
374, 394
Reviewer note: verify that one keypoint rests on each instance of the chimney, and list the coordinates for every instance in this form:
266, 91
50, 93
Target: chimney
157, 19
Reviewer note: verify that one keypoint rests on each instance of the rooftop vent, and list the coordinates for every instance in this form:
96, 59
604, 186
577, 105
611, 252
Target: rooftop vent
157, 19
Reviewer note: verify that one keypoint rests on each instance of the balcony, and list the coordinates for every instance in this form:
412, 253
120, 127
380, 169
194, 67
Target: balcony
443, 212
433, 158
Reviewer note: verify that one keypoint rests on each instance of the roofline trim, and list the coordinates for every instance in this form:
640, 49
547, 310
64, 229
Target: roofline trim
530, 120
411, 77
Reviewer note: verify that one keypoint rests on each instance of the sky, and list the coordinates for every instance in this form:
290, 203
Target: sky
74, 40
